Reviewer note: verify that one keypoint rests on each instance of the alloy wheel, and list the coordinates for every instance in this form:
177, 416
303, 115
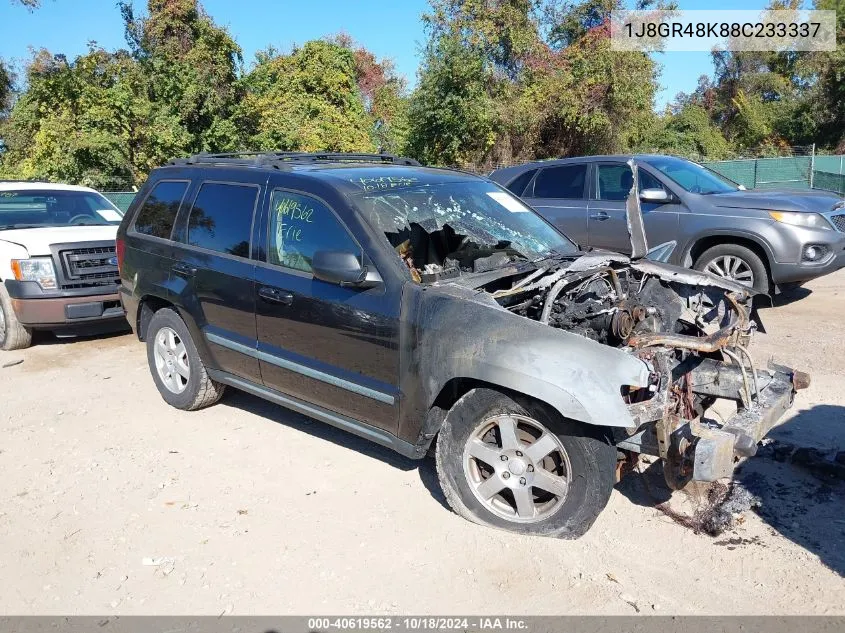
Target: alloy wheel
171, 359
516, 468
733, 268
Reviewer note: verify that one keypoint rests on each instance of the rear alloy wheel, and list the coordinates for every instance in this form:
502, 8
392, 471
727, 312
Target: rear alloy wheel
176, 367
512, 463
737, 263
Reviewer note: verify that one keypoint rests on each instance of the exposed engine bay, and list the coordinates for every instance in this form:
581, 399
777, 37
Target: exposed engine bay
692, 329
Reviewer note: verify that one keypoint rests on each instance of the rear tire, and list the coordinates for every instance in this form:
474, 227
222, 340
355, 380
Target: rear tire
558, 489
737, 262
13, 335
176, 367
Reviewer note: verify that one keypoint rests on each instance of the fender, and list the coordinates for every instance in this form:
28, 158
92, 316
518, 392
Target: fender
685, 258
454, 332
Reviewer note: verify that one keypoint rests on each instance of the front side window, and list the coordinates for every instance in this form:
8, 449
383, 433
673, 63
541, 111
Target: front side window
221, 218
299, 227
28, 208
158, 214
692, 176
564, 182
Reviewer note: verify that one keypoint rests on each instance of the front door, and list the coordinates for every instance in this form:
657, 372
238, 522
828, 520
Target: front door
607, 217
333, 346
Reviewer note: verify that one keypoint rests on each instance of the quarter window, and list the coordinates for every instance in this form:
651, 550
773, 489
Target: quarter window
563, 182
299, 227
158, 213
647, 181
221, 218
518, 184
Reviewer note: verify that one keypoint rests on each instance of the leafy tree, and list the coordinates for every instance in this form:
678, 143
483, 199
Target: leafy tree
308, 100
688, 131
190, 67
516, 79
451, 114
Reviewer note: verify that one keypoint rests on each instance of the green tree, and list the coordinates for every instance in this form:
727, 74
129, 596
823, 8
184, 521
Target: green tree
308, 100
687, 132
190, 69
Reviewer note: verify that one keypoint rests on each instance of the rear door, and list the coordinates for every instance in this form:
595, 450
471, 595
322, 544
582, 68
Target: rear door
608, 223
333, 346
558, 193
218, 276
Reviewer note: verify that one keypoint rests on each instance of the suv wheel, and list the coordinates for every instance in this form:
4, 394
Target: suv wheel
737, 263
519, 467
13, 335
176, 367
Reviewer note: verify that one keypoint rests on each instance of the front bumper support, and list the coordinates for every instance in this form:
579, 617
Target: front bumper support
710, 452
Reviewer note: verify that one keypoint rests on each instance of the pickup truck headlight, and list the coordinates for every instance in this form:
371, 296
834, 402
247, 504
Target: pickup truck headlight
37, 269
810, 220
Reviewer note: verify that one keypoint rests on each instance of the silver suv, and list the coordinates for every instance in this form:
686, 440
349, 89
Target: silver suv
765, 239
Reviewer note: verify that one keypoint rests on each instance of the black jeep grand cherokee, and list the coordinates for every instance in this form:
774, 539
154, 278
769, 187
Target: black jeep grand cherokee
411, 305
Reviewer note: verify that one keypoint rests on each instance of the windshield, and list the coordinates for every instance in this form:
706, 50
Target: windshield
30, 208
691, 176
470, 226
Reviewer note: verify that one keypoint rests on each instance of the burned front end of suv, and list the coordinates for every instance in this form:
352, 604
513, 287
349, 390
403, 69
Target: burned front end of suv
693, 331
642, 349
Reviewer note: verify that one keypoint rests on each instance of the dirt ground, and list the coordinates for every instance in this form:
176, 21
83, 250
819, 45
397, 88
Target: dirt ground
256, 510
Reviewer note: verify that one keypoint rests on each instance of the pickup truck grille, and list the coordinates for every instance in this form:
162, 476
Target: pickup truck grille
838, 221
89, 267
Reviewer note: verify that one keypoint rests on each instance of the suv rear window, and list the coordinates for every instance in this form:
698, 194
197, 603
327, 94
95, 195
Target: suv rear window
564, 181
221, 218
158, 213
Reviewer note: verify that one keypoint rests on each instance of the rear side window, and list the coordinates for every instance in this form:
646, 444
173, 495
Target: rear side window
159, 210
221, 218
564, 182
299, 227
517, 185
614, 182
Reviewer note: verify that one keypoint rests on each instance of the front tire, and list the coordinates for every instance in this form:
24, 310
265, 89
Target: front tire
737, 263
13, 335
176, 367
514, 464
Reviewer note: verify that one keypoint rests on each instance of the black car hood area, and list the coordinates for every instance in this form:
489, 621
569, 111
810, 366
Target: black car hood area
777, 200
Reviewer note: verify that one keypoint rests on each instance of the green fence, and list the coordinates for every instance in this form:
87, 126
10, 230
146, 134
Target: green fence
120, 199
796, 172
828, 181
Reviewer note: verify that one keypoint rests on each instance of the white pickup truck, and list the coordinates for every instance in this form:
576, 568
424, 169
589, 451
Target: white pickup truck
58, 264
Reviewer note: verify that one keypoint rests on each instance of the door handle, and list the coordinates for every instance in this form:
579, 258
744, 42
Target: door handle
601, 215
274, 295
184, 269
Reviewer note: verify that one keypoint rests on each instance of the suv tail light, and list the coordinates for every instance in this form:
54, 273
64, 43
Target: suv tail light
120, 250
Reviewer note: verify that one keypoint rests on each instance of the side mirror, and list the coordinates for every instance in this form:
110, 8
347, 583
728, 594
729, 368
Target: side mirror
343, 268
655, 195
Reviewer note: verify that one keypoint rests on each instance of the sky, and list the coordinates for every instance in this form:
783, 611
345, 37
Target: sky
389, 28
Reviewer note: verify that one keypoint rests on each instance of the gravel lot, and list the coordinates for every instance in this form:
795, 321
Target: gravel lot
256, 510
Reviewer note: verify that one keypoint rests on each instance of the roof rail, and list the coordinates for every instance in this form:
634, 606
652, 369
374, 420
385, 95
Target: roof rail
278, 159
